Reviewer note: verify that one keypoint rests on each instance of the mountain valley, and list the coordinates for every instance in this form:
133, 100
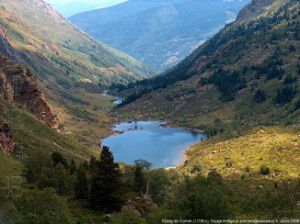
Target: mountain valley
238, 92
158, 33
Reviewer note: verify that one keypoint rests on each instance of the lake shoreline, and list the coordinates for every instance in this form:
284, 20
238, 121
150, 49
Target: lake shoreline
164, 124
167, 149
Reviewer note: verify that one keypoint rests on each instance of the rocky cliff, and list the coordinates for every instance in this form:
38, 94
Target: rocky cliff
17, 85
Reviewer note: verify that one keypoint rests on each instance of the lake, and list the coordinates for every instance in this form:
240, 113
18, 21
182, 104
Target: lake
151, 140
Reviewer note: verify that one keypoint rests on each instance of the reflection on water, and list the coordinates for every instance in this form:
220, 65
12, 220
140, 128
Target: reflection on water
150, 140
118, 101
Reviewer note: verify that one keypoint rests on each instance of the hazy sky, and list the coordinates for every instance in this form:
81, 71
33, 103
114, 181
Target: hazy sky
71, 7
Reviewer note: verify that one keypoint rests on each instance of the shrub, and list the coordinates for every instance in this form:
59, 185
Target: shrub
285, 95
34, 166
197, 168
126, 216
229, 163
199, 197
57, 158
274, 72
290, 79
292, 48
264, 170
228, 83
34, 206
248, 169
297, 105
259, 96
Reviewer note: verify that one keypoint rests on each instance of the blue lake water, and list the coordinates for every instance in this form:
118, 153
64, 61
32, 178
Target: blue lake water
150, 140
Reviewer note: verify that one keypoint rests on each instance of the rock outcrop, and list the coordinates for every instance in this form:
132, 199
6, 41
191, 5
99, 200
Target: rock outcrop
18, 85
6, 142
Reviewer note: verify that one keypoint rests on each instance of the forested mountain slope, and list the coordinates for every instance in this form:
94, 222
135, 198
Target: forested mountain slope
159, 33
246, 74
60, 54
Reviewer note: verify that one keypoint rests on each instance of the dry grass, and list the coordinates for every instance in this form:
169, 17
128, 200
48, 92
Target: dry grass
275, 147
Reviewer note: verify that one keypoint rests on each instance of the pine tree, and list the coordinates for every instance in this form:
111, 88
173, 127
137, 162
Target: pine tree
139, 179
63, 183
57, 158
81, 186
93, 166
73, 167
285, 95
106, 185
259, 96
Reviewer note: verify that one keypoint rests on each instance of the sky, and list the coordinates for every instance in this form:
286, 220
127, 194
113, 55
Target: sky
71, 7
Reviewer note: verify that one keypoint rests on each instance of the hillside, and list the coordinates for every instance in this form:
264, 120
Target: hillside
28, 125
273, 147
158, 33
60, 54
242, 89
71, 68
247, 74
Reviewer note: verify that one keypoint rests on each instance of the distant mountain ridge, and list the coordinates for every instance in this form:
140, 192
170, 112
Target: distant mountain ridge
159, 33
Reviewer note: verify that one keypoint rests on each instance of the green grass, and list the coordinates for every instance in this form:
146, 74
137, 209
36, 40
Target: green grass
9, 166
32, 136
274, 147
